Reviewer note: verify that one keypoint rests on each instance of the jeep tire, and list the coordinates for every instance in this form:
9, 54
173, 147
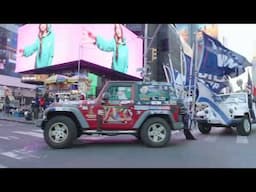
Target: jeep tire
60, 132
244, 128
155, 132
204, 128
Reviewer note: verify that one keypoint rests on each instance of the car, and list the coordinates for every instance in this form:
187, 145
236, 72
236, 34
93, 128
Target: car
229, 110
146, 110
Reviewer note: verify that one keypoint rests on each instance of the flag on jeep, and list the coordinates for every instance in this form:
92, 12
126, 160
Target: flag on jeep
212, 100
218, 62
189, 72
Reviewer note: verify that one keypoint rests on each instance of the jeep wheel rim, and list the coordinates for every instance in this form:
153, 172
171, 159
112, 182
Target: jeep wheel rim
157, 132
58, 132
246, 125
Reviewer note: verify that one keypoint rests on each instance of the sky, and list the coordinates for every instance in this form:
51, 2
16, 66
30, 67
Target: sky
240, 38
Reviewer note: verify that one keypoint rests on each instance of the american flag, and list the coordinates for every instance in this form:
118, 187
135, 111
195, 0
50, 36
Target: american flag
249, 84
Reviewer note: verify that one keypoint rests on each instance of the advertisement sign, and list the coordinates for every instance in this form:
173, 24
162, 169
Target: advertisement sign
109, 45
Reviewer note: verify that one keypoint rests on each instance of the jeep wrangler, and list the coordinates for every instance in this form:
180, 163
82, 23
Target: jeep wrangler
147, 110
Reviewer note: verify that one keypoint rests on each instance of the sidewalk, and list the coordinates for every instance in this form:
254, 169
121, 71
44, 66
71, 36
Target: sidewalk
5, 117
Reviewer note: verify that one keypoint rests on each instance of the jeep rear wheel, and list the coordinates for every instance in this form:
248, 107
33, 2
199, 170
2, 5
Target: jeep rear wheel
204, 128
60, 132
155, 132
244, 128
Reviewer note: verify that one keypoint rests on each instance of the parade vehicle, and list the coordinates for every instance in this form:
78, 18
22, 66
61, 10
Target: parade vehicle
227, 110
148, 110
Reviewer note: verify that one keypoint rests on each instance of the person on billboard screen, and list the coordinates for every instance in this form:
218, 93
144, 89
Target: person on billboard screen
117, 45
43, 45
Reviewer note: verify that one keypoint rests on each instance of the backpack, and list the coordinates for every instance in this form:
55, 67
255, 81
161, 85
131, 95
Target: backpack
42, 102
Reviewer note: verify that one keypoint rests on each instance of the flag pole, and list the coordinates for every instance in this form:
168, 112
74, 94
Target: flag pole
172, 74
196, 63
189, 85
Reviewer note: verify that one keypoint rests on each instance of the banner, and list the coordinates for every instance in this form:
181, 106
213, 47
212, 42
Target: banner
218, 62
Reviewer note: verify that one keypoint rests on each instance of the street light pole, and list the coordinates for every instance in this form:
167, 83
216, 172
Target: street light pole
145, 62
145, 45
79, 65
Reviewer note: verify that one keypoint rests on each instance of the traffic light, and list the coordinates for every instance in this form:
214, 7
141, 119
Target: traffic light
154, 54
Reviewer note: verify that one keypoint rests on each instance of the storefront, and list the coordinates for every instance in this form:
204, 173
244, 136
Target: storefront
22, 93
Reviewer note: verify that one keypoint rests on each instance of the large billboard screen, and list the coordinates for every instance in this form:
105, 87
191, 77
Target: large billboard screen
108, 45
188, 31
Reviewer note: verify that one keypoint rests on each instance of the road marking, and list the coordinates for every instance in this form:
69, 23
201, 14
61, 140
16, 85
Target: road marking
14, 137
5, 138
242, 139
2, 166
12, 155
175, 132
20, 154
210, 138
40, 135
39, 130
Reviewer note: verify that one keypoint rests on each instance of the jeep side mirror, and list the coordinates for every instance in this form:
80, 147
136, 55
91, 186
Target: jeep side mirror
105, 97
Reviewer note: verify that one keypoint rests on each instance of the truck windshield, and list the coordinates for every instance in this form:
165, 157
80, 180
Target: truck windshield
235, 98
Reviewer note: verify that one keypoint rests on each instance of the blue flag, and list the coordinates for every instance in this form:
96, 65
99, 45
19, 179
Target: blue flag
188, 76
219, 62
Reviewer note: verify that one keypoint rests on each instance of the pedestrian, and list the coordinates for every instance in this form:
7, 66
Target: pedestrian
57, 99
7, 103
35, 107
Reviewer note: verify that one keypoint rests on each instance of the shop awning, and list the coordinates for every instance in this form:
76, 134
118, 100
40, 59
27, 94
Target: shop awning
14, 82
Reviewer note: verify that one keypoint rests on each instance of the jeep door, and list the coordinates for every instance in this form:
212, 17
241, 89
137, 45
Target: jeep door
118, 109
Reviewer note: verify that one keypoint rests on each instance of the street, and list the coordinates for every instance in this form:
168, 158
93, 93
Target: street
22, 146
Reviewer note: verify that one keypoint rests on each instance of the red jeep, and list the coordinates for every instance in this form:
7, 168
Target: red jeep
147, 110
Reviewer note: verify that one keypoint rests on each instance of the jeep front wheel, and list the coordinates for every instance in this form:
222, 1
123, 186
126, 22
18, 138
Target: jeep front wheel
60, 132
155, 132
204, 128
245, 127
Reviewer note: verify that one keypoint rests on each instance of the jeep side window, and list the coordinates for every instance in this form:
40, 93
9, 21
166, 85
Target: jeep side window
119, 93
148, 93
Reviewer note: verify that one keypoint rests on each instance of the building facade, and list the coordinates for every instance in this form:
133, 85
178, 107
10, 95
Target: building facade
23, 93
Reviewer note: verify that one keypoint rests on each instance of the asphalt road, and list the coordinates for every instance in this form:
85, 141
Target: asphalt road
23, 146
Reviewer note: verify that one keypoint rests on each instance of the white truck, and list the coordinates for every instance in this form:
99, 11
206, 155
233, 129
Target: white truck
227, 110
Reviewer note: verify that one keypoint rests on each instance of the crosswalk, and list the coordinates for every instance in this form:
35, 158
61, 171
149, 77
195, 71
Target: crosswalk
30, 133
210, 138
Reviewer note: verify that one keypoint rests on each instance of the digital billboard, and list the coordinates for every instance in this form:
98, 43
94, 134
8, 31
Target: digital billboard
109, 45
188, 31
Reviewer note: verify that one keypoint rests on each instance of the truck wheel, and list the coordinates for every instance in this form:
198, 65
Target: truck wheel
244, 128
155, 132
60, 132
204, 128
